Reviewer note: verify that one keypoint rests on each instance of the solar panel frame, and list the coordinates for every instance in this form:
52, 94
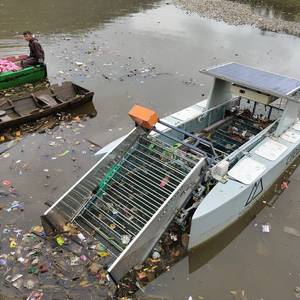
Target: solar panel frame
255, 79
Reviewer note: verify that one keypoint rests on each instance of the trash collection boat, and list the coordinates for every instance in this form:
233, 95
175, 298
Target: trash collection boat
42, 103
26, 75
211, 162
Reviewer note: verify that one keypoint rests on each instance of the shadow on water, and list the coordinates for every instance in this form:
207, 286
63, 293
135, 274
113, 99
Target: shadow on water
204, 253
288, 10
84, 109
63, 16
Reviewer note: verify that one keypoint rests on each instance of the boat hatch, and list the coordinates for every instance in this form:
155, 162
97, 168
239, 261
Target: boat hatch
247, 170
128, 199
270, 149
291, 136
238, 130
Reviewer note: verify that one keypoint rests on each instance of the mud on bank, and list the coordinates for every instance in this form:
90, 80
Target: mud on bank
234, 13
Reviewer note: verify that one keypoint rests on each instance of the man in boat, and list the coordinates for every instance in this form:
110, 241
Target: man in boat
37, 54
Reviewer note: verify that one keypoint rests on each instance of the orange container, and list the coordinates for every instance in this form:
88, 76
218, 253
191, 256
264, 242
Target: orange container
143, 116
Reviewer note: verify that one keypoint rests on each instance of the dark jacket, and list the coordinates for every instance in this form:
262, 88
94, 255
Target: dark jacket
36, 50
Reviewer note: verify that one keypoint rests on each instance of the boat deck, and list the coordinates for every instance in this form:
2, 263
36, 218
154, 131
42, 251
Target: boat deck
234, 133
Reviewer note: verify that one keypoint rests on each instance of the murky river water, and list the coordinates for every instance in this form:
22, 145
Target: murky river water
151, 52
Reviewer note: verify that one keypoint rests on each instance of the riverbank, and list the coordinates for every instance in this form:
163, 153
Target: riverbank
234, 13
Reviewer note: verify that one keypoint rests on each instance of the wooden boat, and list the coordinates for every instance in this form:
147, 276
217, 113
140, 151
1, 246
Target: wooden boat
25, 75
42, 103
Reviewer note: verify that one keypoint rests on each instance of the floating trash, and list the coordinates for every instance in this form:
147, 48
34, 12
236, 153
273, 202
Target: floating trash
125, 239
6, 182
266, 228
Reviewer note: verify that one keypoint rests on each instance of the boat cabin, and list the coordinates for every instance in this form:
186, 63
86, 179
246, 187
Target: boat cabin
245, 105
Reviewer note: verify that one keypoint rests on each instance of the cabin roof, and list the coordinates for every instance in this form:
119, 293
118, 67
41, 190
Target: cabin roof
255, 79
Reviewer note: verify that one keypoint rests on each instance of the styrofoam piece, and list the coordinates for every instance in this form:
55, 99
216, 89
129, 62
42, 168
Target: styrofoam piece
221, 168
270, 149
247, 170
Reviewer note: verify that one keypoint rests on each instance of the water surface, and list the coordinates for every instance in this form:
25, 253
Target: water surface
149, 52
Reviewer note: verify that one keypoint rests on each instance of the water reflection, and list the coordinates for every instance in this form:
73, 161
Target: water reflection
205, 252
286, 10
62, 16
85, 109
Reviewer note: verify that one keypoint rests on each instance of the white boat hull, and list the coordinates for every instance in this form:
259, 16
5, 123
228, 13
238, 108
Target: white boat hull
227, 202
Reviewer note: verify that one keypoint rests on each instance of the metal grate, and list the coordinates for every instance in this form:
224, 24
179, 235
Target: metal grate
235, 133
122, 201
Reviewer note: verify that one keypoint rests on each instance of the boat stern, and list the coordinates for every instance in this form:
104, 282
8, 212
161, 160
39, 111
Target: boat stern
221, 207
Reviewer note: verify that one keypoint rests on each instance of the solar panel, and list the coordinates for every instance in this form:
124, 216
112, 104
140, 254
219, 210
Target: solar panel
266, 82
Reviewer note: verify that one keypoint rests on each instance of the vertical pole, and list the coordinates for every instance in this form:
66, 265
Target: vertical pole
254, 107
